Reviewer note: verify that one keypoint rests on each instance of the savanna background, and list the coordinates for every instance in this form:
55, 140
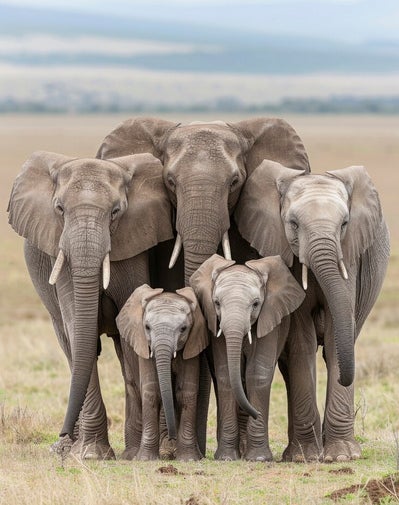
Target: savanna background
69, 72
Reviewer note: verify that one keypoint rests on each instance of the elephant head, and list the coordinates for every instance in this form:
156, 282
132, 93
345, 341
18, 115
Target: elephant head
262, 291
158, 325
205, 168
327, 221
86, 212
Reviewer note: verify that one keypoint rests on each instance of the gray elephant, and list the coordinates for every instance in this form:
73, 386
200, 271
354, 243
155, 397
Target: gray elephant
331, 228
168, 332
205, 168
88, 224
263, 293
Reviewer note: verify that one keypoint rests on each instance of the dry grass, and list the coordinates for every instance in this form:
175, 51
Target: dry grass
34, 378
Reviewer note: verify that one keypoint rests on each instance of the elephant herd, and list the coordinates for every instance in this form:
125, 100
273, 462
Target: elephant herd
207, 252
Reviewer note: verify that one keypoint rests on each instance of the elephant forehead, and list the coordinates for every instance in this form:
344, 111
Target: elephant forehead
316, 190
243, 278
208, 136
168, 303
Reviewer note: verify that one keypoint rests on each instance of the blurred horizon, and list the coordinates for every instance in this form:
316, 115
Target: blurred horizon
262, 55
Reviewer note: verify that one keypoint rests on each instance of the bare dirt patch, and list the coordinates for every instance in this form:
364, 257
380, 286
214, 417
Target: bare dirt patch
376, 490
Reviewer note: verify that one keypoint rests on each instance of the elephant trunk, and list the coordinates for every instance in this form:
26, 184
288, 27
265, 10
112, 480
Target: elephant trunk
84, 347
85, 246
234, 340
202, 219
324, 262
163, 359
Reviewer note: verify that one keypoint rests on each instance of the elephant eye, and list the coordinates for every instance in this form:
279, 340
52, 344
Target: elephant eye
293, 224
344, 224
255, 305
183, 329
171, 183
147, 327
115, 212
59, 208
234, 183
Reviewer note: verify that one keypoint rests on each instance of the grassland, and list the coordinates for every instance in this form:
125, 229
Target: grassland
34, 377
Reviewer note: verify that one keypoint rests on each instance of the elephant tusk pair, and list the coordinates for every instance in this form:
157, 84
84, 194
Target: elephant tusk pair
342, 269
59, 262
179, 243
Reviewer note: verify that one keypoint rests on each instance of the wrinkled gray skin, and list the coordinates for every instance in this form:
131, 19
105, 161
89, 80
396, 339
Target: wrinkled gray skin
260, 295
168, 332
332, 224
205, 168
85, 208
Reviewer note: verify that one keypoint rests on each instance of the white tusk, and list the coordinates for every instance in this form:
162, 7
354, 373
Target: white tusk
219, 333
250, 336
57, 268
174, 354
151, 353
176, 251
304, 276
106, 271
226, 246
342, 268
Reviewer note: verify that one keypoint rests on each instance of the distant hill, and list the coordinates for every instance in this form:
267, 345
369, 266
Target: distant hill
242, 51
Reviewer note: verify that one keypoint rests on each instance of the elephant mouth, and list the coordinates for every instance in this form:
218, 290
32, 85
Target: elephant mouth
59, 263
179, 245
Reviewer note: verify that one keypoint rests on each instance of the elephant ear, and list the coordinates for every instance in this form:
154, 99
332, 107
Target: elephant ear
258, 211
136, 135
365, 213
30, 207
130, 319
198, 337
148, 218
272, 139
283, 294
202, 282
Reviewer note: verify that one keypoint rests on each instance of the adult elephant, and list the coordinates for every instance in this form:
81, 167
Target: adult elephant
205, 168
331, 224
88, 225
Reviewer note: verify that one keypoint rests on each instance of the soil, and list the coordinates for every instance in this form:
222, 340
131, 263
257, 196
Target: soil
169, 470
344, 469
376, 490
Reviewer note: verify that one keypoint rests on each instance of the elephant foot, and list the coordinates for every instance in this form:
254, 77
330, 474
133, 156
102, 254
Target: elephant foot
130, 453
98, 450
258, 454
185, 453
302, 453
147, 454
227, 454
167, 448
62, 447
341, 450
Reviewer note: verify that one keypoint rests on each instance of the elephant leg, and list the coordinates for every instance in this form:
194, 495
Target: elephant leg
187, 448
227, 416
93, 440
339, 417
261, 363
130, 371
306, 443
151, 401
204, 393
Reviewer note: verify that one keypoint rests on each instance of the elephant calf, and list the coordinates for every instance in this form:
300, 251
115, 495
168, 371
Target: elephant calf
168, 332
263, 293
